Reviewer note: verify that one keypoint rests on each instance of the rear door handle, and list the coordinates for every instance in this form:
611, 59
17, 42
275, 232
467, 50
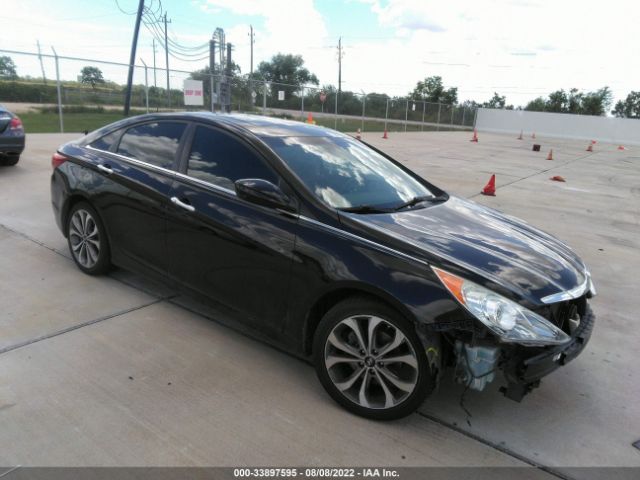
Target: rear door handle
105, 169
176, 201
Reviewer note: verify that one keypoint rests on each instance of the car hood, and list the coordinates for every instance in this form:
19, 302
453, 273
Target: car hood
487, 243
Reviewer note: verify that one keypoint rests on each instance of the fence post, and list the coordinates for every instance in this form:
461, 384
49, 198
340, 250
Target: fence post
424, 106
464, 111
406, 116
146, 85
386, 115
264, 98
364, 103
335, 123
438, 121
55, 54
453, 109
211, 89
302, 103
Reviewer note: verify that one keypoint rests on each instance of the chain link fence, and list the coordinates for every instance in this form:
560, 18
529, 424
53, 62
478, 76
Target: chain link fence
86, 99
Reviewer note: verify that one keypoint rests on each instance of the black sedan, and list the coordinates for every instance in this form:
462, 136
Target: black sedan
329, 249
11, 137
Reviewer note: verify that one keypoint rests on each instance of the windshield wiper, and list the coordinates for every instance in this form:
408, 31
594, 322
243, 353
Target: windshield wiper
365, 209
424, 198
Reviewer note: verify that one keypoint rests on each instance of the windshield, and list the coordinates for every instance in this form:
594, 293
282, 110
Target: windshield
344, 173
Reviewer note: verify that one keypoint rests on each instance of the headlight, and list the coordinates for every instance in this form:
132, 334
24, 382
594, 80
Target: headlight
510, 321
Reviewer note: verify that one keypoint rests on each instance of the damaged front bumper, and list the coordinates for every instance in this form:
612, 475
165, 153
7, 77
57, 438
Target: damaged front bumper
525, 366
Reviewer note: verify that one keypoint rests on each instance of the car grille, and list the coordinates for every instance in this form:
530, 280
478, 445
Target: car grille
561, 313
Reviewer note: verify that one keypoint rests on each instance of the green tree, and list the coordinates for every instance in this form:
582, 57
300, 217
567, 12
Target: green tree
7, 67
574, 101
598, 102
288, 70
496, 101
91, 76
557, 102
432, 90
629, 108
537, 105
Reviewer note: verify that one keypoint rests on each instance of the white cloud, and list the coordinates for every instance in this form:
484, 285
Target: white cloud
520, 48
478, 45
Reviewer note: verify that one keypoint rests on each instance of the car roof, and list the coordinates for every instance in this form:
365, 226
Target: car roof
261, 126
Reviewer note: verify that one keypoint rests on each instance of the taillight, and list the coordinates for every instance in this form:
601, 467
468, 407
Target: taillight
58, 159
15, 123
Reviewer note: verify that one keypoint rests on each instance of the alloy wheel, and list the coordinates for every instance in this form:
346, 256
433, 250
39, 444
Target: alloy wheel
371, 362
84, 238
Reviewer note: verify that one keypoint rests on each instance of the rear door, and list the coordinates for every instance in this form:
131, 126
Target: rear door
138, 164
232, 251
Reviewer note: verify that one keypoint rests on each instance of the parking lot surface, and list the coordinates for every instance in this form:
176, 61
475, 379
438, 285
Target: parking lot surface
118, 370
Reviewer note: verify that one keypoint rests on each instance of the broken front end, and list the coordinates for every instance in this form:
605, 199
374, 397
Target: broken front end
524, 344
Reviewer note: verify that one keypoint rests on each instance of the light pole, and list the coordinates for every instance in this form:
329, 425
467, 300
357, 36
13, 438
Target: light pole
146, 85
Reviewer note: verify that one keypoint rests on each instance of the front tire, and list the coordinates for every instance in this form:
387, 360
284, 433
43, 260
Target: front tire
87, 239
371, 361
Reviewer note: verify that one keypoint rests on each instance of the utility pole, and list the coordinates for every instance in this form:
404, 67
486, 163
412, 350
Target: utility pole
146, 85
227, 98
339, 65
339, 72
155, 84
132, 58
212, 70
44, 77
251, 42
166, 58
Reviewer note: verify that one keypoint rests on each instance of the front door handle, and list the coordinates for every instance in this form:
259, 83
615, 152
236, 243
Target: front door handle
105, 169
176, 201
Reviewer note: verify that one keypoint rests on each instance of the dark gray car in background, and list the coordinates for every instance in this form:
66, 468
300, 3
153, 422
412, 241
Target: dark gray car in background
11, 137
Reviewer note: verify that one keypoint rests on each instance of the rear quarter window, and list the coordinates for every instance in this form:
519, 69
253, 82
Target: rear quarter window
106, 142
154, 143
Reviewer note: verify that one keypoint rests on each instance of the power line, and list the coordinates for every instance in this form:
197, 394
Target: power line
122, 10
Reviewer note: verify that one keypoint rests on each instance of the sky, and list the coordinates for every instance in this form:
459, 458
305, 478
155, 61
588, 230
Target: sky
519, 48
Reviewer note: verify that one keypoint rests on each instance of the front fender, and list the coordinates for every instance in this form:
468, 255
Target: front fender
328, 259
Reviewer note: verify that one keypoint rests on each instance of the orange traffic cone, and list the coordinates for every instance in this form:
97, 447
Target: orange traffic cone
550, 156
520, 137
590, 148
475, 136
358, 135
385, 136
557, 178
309, 118
490, 188
533, 135
621, 147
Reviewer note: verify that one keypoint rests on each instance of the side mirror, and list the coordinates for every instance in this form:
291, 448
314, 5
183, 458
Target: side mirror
262, 192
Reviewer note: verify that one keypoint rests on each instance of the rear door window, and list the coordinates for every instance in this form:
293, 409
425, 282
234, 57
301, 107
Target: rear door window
220, 159
154, 143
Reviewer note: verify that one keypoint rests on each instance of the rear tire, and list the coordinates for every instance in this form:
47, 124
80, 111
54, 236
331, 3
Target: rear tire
87, 239
371, 361
9, 160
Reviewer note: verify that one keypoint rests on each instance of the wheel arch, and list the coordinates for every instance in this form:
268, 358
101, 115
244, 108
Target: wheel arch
69, 202
336, 294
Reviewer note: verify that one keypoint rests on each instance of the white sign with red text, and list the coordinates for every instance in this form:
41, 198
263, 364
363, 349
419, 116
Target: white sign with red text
193, 93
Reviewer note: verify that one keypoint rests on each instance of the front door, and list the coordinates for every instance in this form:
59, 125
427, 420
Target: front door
235, 252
